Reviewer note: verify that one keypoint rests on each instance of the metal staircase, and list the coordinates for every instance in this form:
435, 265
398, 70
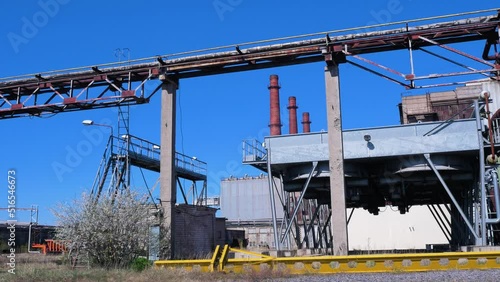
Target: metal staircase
113, 174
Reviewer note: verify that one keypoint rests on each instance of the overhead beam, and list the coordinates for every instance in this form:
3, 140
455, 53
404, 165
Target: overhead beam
221, 60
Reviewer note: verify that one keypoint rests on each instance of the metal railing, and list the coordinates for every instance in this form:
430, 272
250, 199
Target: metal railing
102, 171
142, 147
145, 148
190, 164
116, 149
253, 151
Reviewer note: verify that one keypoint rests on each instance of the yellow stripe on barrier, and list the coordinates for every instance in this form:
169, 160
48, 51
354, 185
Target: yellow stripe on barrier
342, 264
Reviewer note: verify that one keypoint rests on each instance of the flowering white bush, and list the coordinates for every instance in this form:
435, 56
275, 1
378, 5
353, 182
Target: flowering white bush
113, 231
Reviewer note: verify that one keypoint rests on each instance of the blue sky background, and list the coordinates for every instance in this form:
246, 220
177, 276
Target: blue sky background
215, 113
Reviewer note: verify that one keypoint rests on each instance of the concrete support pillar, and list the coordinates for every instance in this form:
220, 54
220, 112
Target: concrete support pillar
168, 186
337, 185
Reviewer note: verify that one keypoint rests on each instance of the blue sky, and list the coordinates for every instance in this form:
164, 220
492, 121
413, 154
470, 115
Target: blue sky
215, 113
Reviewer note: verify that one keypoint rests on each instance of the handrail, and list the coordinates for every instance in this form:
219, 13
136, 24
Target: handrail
253, 151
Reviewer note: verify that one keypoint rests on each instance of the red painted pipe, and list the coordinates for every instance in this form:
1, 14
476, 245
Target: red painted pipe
292, 115
274, 91
306, 122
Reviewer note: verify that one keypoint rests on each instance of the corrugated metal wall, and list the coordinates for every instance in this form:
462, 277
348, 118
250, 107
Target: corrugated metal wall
248, 200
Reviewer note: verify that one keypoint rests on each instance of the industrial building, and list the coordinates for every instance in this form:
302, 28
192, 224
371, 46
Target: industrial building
246, 205
26, 234
434, 159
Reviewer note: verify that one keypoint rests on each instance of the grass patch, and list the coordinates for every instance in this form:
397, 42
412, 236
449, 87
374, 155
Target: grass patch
51, 271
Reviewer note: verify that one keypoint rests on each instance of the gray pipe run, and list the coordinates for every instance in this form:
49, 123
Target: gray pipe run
493, 175
234, 49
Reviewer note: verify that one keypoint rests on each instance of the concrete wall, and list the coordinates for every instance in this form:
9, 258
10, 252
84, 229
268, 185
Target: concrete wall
248, 199
195, 229
391, 230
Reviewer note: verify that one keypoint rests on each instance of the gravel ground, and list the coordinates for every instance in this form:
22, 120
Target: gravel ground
492, 275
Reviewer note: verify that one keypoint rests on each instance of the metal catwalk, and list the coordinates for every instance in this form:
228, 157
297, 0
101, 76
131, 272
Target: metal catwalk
127, 150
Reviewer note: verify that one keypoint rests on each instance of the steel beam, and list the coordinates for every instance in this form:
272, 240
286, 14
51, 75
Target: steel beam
167, 162
336, 160
440, 222
452, 197
272, 199
299, 201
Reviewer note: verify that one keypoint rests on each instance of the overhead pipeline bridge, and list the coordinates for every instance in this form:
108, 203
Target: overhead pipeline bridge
123, 83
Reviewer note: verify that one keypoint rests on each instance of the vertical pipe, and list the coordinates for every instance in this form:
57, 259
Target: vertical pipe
490, 127
292, 115
479, 127
496, 196
495, 189
274, 91
271, 195
410, 48
306, 122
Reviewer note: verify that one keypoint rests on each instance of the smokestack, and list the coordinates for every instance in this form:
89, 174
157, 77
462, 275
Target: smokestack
292, 115
306, 122
274, 91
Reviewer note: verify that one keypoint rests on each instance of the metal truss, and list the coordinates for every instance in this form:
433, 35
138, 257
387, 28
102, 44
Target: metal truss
75, 92
123, 83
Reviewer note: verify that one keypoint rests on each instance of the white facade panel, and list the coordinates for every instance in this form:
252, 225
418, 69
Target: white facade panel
248, 200
391, 230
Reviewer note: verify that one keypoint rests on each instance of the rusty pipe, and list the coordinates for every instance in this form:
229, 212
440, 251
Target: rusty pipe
292, 115
306, 122
274, 91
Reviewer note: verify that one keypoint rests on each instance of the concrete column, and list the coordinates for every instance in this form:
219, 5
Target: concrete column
168, 186
337, 185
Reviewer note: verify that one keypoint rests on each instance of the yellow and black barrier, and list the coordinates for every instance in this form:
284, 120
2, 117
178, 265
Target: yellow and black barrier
338, 264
